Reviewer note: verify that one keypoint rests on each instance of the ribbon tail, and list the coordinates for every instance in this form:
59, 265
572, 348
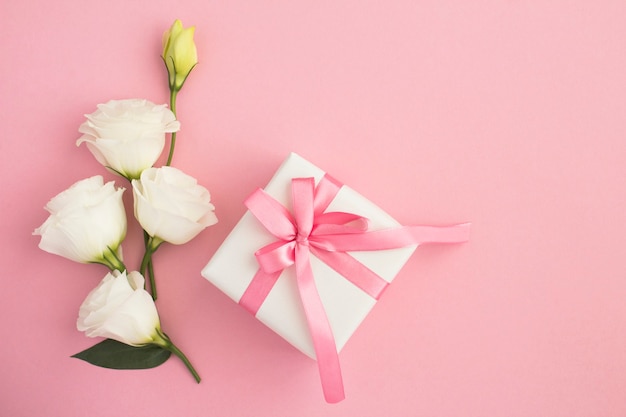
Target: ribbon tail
323, 339
392, 238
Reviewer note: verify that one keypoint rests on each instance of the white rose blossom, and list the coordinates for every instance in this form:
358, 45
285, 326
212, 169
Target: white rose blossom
171, 206
128, 136
87, 223
120, 308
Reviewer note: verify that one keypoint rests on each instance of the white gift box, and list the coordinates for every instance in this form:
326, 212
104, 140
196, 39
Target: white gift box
234, 265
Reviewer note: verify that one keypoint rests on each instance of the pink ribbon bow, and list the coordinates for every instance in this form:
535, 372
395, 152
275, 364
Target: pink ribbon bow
328, 236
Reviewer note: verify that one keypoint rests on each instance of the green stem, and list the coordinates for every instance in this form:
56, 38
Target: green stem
152, 244
147, 259
150, 271
151, 276
166, 343
173, 93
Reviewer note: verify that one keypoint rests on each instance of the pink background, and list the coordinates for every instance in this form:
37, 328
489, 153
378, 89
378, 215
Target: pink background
508, 114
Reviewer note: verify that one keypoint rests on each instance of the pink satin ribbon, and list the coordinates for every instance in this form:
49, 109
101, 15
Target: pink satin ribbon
328, 236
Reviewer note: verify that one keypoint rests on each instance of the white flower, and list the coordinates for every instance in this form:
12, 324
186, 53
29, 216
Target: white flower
120, 308
171, 206
128, 136
87, 222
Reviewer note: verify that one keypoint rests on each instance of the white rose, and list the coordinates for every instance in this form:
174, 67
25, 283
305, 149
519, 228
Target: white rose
87, 223
119, 308
127, 136
171, 206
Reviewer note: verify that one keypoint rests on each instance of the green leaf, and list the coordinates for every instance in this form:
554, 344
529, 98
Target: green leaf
116, 355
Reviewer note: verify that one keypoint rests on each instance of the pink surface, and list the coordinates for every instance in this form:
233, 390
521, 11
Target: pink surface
507, 114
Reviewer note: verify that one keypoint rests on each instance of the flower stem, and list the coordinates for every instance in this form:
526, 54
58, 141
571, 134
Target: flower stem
152, 244
151, 275
166, 343
150, 271
173, 93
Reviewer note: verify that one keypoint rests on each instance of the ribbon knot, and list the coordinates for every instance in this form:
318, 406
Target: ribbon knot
328, 236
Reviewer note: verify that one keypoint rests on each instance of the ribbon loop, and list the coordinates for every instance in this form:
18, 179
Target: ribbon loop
272, 215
